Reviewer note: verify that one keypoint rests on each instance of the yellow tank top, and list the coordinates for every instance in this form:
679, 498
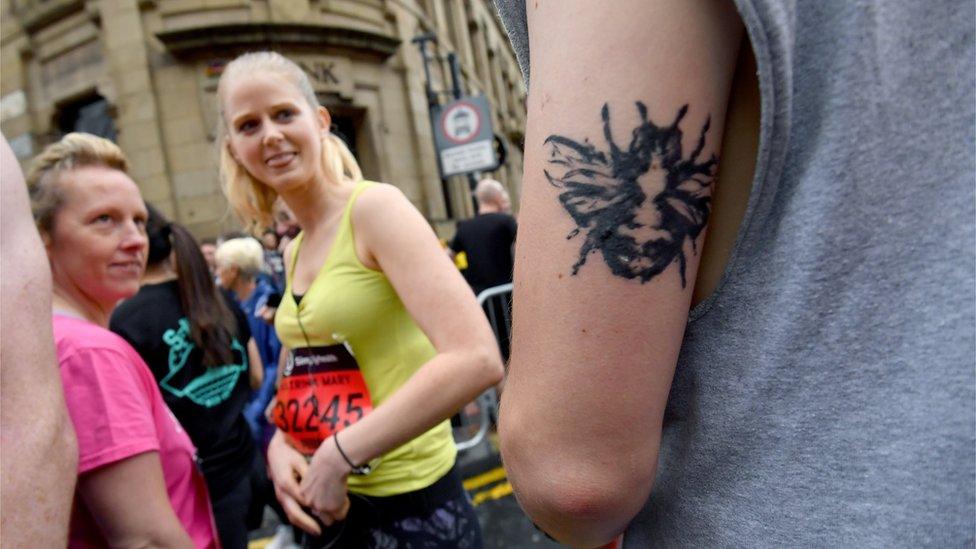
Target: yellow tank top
349, 302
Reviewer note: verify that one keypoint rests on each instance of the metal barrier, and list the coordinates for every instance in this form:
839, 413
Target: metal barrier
496, 303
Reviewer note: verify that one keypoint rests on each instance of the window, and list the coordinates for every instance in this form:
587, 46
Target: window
89, 115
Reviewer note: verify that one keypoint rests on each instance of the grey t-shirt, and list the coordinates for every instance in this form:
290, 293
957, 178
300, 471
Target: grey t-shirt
824, 395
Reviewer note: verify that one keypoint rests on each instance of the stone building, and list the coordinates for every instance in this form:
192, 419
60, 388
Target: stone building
144, 73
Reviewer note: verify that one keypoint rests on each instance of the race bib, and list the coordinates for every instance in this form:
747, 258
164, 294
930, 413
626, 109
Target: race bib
321, 392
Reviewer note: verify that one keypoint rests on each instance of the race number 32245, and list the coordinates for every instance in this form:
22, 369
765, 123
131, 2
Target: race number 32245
317, 400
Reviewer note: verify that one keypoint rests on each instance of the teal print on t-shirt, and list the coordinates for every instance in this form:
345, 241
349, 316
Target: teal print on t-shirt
213, 386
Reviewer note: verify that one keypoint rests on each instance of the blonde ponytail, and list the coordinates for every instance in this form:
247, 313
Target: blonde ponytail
250, 199
338, 163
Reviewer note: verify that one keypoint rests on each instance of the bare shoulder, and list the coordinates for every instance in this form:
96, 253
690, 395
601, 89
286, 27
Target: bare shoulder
380, 204
378, 197
388, 225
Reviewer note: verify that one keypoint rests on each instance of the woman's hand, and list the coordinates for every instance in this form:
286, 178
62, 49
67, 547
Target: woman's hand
287, 468
324, 486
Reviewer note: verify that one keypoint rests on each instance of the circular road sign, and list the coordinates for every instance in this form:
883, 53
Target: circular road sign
461, 122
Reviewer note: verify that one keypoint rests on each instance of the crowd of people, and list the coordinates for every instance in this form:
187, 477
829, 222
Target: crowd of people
804, 377
208, 380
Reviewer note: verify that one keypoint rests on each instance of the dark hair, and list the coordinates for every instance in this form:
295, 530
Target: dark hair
159, 230
212, 324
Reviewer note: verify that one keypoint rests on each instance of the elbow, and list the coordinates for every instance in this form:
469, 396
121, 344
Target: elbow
585, 518
488, 364
580, 509
479, 362
579, 499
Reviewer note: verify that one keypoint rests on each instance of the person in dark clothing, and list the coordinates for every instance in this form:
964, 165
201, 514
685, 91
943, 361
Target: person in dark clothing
487, 238
487, 242
198, 345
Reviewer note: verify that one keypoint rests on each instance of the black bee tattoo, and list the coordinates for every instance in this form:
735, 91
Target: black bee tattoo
637, 206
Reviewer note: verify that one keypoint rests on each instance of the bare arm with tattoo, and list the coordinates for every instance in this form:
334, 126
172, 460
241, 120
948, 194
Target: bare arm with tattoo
625, 120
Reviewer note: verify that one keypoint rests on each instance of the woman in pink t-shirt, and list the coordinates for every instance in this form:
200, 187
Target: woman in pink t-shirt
138, 484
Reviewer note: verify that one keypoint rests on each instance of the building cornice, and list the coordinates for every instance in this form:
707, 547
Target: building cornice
35, 14
190, 41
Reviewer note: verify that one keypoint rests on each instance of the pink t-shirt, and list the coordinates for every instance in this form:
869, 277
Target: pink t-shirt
118, 412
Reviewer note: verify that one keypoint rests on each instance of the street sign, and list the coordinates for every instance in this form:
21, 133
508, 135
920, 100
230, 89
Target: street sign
460, 122
463, 136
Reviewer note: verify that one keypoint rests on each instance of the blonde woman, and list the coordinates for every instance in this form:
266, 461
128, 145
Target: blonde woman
138, 483
386, 340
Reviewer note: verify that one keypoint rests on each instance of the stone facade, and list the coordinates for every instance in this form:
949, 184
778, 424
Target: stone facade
148, 70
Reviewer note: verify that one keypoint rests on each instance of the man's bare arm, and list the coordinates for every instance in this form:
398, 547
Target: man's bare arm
626, 113
38, 452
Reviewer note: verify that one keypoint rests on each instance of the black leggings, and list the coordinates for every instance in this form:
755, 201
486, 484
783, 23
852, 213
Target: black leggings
437, 517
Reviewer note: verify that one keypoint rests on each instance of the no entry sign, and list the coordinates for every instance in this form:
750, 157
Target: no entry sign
463, 136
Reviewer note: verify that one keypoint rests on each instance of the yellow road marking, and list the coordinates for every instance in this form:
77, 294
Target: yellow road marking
258, 543
484, 479
496, 492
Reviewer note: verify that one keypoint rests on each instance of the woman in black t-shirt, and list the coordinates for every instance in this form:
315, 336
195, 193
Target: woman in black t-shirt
198, 345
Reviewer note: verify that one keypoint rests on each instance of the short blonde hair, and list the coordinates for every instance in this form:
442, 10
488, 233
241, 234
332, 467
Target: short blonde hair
250, 198
246, 254
73, 151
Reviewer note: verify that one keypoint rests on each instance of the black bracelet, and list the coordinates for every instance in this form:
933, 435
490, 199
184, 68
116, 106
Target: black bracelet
356, 469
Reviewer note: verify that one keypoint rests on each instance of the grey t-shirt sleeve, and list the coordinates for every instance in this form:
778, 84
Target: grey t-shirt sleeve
512, 13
